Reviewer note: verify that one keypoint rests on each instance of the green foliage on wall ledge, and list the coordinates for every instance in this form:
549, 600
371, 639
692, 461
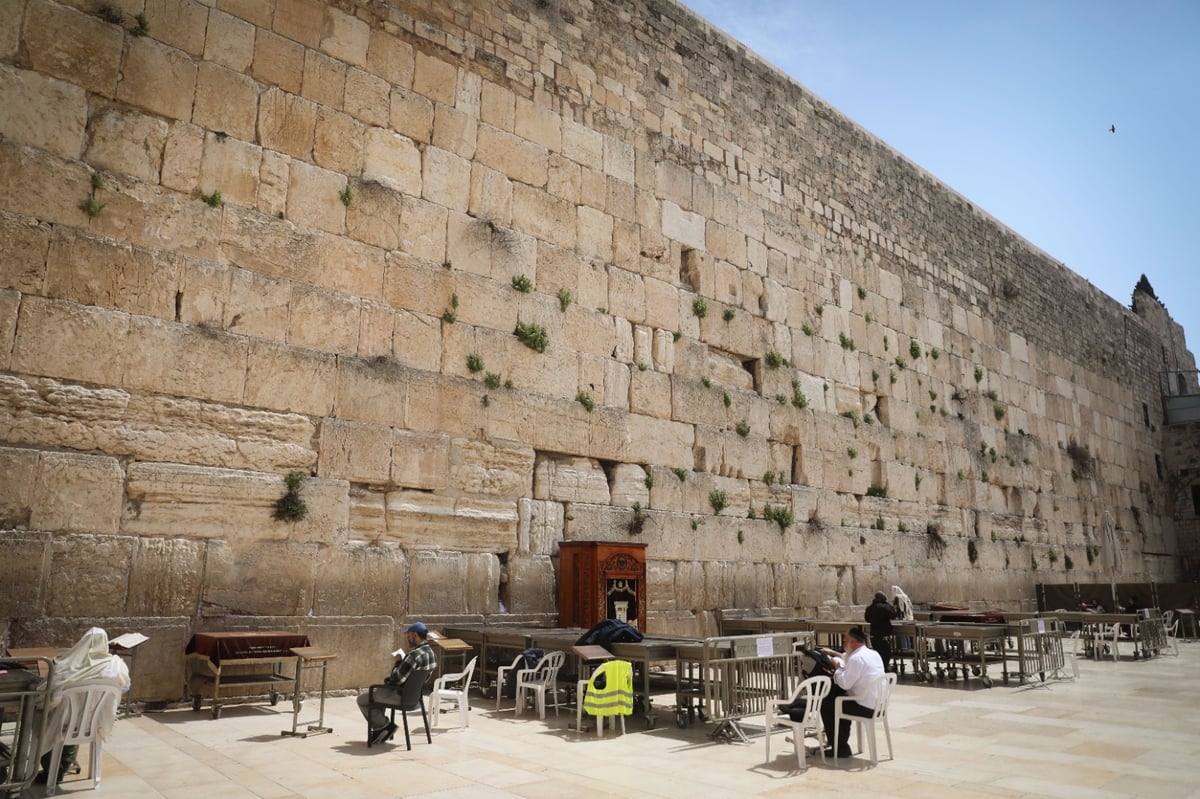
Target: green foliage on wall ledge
291, 506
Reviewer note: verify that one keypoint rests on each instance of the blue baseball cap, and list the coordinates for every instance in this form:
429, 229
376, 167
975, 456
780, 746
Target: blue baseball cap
419, 628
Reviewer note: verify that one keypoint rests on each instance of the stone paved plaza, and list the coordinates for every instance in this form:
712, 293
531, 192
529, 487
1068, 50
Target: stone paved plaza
1123, 730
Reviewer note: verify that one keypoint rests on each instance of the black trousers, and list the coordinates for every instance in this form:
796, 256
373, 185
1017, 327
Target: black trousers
848, 708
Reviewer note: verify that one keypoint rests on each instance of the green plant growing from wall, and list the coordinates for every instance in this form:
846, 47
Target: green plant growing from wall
820, 309
901, 363
719, 500
1052, 555
742, 428
90, 205
781, 399
699, 308
998, 410
852, 452
728, 314
706, 381
585, 399
878, 524
649, 481
346, 195
695, 523
852, 416
914, 349
978, 374
862, 293
769, 478
491, 380
142, 26
935, 353
876, 490
564, 299
807, 329
522, 284
868, 419
886, 344
775, 359
291, 506
798, 398
638, 521
725, 398
532, 336
781, 515
846, 342
1033, 564
869, 318
681, 473
676, 336
641, 366
212, 200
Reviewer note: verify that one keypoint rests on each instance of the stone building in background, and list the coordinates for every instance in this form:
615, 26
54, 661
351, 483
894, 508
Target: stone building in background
499, 274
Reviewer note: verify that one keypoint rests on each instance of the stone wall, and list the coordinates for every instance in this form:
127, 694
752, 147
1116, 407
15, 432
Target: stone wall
788, 359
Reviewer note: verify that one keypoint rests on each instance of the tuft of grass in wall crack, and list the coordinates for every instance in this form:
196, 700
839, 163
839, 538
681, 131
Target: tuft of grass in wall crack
532, 336
719, 500
89, 204
346, 195
450, 315
728, 314
564, 299
585, 399
474, 363
212, 200
781, 515
522, 284
681, 473
141, 26
775, 359
491, 380
742, 428
638, 522
291, 506
699, 308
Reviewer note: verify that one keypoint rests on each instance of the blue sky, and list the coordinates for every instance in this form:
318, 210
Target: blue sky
1010, 103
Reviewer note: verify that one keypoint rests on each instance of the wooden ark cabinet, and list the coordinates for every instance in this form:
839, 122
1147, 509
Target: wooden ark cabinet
599, 580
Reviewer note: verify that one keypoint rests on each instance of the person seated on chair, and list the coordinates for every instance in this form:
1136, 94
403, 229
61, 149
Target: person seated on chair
87, 661
856, 673
879, 615
420, 657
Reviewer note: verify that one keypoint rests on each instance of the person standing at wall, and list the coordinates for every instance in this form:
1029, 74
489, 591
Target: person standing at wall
879, 615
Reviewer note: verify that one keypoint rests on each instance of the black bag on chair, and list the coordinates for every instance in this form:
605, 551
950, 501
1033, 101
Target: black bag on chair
529, 659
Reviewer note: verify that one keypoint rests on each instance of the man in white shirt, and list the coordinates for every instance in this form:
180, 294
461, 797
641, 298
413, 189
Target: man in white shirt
857, 671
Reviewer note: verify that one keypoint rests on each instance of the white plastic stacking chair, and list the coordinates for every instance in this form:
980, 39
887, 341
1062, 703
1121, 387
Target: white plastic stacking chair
445, 691
883, 693
84, 708
813, 691
541, 678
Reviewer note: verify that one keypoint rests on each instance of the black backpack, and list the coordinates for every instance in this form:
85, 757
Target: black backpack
608, 632
529, 659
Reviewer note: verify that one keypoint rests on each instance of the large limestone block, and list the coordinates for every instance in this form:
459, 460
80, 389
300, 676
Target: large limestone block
517, 158
482, 583
23, 265
165, 575
264, 578
127, 142
225, 101
531, 586
544, 216
445, 179
229, 41
689, 585
278, 61
393, 160
419, 520
588, 522
106, 274
338, 143
660, 585
314, 197
18, 480
185, 360
616, 381
423, 229
152, 427
629, 486
437, 583
345, 37
74, 46
61, 339
368, 516
287, 123
491, 468
165, 499
98, 569
158, 78
569, 479
77, 493
42, 112
650, 393
355, 451
285, 378
24, 560
420, 460
539, 526
360, 580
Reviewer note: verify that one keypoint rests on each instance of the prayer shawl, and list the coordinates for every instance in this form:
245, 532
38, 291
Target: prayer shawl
87, 661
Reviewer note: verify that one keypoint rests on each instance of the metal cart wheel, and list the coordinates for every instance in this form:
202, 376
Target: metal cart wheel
216, 711
196, 702
274, 697
987, 682
681, 720
975, 670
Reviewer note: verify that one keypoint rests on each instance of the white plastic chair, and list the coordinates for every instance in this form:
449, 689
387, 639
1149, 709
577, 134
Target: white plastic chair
452, 688
84, 707
1171, 632
813, 691
541, 678
1073, 655
1104, 641
883, 693
502, 673
618, 687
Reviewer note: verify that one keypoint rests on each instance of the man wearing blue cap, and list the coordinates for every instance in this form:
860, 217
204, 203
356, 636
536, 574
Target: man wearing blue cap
420, 657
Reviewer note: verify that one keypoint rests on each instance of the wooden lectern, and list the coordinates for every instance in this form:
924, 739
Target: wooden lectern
599, 580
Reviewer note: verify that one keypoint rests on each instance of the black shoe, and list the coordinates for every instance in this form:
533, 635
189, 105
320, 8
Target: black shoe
382, 734
391, 732
842, 752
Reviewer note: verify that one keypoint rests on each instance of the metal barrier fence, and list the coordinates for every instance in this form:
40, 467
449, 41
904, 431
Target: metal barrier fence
1039, 649
727, 678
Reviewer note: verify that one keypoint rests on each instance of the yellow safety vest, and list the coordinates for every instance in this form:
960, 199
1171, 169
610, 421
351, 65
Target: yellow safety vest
616, 697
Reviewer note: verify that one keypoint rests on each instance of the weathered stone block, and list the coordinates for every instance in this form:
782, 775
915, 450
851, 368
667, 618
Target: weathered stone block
278, 61
165, 577
355, 451
420, 460
390, 57
539, 526
360, 580
99, 569
262, 578
492, 468
367, 97
77, 493
287, 123
287, 378
169, 500
42, 112
568, 479
426, 521
344, 36
24, 556
531, 587
445, 179
436, 582
314, 197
